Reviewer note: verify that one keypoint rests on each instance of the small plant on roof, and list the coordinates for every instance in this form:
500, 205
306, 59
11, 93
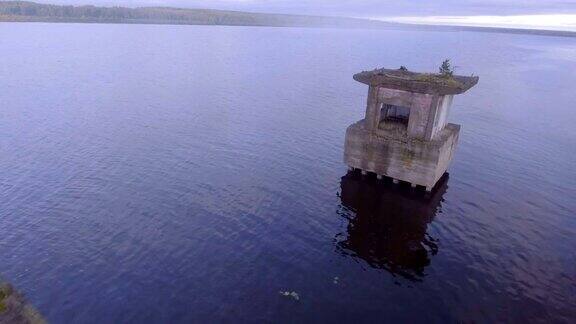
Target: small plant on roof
403, 68
446, 69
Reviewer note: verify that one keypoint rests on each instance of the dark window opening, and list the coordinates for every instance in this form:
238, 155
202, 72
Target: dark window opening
396, 114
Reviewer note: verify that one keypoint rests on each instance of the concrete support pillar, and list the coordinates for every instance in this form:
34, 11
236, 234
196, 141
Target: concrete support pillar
432, 111
372, 109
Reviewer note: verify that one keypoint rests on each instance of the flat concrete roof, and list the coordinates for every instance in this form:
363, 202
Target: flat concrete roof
429, 83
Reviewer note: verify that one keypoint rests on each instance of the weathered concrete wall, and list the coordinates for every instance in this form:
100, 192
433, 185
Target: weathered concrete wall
428, 113
395, 97
440, 114
390, 154
448, 149
420, 105
372, 109
420, 113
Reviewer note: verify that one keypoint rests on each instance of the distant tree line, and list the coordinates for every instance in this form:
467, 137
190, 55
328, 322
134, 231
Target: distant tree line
30, 11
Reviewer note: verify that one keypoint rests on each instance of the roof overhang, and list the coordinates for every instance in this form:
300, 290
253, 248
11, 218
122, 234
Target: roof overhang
427, 83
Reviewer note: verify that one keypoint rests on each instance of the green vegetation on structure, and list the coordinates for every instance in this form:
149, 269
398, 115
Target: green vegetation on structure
444, 77
446, 70
438, 79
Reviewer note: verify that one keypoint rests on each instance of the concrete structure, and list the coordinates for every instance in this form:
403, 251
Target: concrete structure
405, 134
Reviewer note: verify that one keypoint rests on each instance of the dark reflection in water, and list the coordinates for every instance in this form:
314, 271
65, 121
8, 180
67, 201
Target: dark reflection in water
388, 224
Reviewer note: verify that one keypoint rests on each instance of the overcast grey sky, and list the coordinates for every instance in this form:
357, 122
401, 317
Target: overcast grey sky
360, 8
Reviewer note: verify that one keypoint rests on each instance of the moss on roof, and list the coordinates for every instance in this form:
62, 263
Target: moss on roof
429, 83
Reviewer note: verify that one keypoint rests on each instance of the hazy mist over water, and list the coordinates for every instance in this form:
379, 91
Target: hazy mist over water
562, 22
156, 174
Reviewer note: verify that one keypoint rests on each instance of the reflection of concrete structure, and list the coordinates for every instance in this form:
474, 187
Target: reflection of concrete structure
387, 224
405, 134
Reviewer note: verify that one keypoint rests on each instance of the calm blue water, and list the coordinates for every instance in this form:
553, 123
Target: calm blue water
156, 174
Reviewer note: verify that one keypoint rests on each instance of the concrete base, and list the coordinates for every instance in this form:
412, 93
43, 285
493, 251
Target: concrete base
390, 152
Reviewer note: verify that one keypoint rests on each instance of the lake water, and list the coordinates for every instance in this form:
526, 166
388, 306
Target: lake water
175, 174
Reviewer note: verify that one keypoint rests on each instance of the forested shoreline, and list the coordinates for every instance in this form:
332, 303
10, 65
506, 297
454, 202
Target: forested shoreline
30, 11
26, 11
